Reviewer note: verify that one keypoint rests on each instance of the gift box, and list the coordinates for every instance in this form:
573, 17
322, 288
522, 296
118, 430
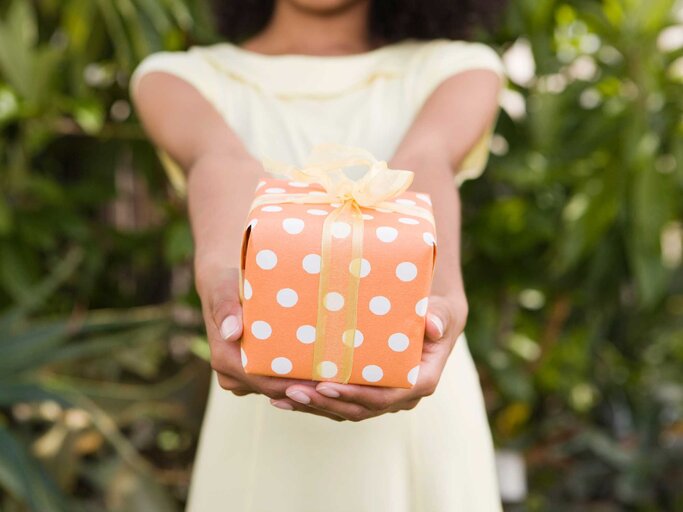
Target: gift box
336, 272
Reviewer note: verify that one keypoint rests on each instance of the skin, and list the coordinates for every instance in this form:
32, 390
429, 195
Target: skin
222, 176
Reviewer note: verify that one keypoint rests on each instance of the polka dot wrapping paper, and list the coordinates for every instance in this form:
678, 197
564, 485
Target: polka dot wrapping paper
281, 290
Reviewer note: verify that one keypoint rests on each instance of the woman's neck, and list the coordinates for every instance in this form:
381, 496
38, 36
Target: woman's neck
295, 29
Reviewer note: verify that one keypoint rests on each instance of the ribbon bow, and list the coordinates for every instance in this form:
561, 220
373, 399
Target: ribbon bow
325, 166
336, 327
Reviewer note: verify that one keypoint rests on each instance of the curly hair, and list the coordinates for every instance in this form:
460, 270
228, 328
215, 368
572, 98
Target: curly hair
389, 20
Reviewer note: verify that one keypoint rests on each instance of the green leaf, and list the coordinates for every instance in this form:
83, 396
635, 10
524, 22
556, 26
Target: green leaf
24, 478
89, 114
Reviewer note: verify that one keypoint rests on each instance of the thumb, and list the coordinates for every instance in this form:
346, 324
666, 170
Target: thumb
438, 319
225, 307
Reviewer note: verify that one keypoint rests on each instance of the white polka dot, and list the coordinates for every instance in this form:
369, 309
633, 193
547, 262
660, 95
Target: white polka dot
409, 221
275, 190
261, 330
380, 305
247, 290
386, 233
281, 365
311, 263
272, 208
334, 301
244, 357
372, 373
421, 306
316, 211
407, 202
367, 216
425, 198
306, 334
252, 224
412, 375
287, 298
341, 229
266, 259
364, 267
298, 184
428, 238
260, 184
335, 205
406, 271
293, 226
398, 342
327, 369
355, 334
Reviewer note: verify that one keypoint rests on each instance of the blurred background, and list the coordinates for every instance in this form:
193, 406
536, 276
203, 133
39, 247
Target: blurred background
573, 241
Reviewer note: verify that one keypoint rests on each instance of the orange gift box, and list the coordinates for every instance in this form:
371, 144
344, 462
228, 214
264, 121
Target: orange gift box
336, 273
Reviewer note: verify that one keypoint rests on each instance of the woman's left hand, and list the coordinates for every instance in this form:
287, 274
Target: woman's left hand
446, 318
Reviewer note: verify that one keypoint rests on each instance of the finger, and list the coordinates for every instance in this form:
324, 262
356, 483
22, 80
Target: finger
309, 397
275, 387
290, 405
225, 357
370, 397
235, 386
438, 318
225, 307
432, 363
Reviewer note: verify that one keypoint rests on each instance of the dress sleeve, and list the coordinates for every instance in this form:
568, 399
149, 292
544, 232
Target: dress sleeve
196, 71
187, 65
448, 58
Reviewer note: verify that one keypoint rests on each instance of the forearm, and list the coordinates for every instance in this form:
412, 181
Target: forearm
220, 191
434, 176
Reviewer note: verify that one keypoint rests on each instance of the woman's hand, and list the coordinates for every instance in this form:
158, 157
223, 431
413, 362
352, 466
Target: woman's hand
218, 288
446, 318
219, 202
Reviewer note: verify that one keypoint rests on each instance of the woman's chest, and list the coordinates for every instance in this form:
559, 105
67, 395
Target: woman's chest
374, 117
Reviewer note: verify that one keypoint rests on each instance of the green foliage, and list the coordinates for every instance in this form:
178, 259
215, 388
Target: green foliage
572, 258
89, 396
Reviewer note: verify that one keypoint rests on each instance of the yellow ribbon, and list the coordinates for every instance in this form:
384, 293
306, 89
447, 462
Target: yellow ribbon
340, 261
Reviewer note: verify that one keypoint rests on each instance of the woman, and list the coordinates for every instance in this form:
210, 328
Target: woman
392, 80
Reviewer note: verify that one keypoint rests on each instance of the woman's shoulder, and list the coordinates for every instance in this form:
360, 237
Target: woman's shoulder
453, 55
189, 59
187, 64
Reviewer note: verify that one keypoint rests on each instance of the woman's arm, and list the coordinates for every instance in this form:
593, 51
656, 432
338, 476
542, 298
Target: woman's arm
450, 123
221, 176
457, 114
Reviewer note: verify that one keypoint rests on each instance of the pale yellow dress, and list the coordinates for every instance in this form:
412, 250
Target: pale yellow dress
253, 457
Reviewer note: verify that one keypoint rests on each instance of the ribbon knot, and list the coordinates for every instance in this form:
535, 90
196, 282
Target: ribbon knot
325, 167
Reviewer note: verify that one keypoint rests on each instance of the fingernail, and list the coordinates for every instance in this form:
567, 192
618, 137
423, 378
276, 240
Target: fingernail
438, 323
299, 396
328, 392
282, 405
229, 327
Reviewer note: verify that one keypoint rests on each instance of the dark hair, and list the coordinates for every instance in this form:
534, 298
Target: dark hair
390, 20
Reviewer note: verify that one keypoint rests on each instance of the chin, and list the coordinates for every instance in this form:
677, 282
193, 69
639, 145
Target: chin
323, 6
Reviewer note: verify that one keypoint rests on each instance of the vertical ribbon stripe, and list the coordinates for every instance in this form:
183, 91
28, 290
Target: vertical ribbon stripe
336, 320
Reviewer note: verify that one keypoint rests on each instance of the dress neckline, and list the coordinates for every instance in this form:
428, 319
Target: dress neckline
351, 57
315, 77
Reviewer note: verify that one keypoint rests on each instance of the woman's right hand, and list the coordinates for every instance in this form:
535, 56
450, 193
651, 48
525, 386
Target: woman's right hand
218, 288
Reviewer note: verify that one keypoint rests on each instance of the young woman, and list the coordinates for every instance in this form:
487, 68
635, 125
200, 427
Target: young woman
396, 79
